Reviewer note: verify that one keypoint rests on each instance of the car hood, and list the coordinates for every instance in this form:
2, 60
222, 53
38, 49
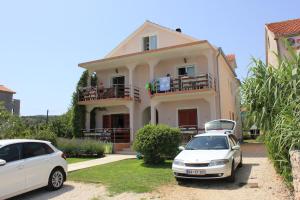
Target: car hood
199, 156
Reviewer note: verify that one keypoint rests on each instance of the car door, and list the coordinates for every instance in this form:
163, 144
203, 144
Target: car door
37, 164
12, 174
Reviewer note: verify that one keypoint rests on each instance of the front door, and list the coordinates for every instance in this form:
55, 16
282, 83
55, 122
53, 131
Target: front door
120, 125
118, 84
187, 118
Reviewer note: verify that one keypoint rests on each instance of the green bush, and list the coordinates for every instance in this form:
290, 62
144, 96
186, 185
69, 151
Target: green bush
157, 142
83, 147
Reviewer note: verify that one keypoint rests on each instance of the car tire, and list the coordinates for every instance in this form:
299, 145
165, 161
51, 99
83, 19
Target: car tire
231, 178
56, 179
241, 162
180, 180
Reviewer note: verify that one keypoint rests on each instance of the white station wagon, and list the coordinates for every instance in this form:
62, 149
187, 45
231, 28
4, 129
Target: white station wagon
26, 165
212, 155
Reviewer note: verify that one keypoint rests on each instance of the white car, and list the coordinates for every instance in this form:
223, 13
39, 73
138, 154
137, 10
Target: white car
212, 155
26, 165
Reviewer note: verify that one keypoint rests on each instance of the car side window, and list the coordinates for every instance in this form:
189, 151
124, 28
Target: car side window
11, 152
33, 149
231, 142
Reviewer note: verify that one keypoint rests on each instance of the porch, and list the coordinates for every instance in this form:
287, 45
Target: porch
96, 94
183, 84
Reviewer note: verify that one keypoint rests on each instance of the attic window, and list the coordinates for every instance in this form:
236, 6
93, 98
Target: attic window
149, 43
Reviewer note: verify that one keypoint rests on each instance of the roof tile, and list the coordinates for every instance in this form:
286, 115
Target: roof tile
285, 28
5, 89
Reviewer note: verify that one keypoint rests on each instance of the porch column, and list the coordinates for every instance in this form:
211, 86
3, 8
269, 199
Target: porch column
88, 120
210, 62
89, 78
131, 109
212, 105
153, 112
88, 110
131, 68
152, 64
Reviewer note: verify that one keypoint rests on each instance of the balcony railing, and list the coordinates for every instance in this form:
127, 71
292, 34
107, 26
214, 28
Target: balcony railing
117, 91
114, 135
184, 83
188, 132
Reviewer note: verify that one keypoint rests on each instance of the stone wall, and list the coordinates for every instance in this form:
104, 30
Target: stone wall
295, 160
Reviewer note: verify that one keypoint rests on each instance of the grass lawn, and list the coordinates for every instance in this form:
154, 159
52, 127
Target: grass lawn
126, 176
76, 160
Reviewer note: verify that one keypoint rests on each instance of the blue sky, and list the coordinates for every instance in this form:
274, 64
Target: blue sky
42, 42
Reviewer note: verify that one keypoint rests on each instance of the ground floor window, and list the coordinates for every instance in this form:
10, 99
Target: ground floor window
187, 118
116, 121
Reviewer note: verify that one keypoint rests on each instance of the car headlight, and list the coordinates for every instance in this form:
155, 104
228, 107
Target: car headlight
218, 162
178, 162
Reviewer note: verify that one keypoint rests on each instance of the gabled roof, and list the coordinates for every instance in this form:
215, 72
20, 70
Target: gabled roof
285, 28
147, 22
5, 89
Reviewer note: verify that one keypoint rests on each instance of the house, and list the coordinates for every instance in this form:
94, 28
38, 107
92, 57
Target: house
161, 76
276, 36
6, 97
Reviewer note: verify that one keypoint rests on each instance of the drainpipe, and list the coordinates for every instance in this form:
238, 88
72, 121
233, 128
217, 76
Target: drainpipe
219, 52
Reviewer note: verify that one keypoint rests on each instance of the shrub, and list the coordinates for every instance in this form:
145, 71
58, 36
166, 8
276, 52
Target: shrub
83, 147
42, 134
271, 96
157, 142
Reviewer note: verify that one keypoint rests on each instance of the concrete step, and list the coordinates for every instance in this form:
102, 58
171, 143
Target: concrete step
123, 152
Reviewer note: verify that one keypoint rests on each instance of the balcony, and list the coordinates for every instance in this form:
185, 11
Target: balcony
186, 83
119, 93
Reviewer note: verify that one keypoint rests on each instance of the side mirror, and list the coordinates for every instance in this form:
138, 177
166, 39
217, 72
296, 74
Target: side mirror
236, 147
181, 148
2, 162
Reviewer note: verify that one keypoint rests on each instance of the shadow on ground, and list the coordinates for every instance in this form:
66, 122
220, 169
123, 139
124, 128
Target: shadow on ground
242, 177
43, 194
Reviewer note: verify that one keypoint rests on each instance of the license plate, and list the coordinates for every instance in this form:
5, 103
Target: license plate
195, 172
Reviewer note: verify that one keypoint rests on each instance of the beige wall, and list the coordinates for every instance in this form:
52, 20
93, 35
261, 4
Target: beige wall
168, 111
229, 93
105, 76
164, 39
170, 66
271, 48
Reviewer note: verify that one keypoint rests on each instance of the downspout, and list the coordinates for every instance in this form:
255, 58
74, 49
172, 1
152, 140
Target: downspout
219, 52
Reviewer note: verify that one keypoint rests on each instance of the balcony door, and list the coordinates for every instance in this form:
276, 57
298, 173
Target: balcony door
187, 118
118, 83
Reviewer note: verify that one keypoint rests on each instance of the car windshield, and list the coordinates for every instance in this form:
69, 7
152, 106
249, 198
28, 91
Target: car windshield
219, 125
208, 143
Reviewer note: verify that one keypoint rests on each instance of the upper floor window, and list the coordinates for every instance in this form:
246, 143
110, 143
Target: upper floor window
188, 70
150, 42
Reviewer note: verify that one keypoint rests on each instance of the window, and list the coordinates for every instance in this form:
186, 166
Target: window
150, 42
11, 152
33, 149
208, 143
188, 70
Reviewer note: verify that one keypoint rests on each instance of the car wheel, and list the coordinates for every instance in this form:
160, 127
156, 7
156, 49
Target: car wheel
56, 179
180, 180
231, 178
241, 162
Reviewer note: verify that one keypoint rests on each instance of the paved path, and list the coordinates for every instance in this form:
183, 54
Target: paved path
99, 161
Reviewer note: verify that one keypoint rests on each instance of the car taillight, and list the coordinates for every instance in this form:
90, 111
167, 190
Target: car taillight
64, 156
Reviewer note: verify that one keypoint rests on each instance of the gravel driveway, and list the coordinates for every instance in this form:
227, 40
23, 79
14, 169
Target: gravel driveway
255, 180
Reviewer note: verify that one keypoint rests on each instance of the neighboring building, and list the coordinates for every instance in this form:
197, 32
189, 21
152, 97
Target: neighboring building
6, 97
160, 75
276, 34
